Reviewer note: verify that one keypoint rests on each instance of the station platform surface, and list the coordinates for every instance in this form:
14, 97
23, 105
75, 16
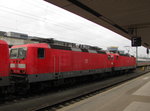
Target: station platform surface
133, 95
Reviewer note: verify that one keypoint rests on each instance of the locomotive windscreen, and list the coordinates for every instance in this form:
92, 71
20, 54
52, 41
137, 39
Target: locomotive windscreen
18, 53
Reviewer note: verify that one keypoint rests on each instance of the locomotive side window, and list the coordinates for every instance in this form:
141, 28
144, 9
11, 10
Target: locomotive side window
41, 53
110, 57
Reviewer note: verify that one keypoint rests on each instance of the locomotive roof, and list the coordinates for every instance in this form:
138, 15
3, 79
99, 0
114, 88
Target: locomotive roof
53, 46
52, 41
42, 45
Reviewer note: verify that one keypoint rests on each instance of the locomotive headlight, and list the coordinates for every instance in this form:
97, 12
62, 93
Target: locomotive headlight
12, 65
21, 65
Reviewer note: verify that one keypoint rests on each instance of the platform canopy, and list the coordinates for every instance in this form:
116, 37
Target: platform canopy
126, 17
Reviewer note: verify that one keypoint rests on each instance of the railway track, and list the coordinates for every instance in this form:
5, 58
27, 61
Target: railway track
60, 98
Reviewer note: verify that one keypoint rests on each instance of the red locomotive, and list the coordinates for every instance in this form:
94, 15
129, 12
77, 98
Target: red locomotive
123, 62
42, 61
4, 66
57, 60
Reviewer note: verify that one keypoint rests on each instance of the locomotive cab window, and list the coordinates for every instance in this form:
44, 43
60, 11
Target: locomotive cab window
109, 57
41, 53
16, 53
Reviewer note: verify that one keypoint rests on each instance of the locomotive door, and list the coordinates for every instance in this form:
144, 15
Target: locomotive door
57, 67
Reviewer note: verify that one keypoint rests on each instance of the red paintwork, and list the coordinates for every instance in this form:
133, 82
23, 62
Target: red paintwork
60, 60
4, 59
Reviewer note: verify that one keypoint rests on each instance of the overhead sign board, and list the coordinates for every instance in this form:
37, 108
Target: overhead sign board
136, 41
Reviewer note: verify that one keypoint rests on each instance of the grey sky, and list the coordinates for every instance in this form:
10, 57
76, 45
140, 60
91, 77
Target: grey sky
39, 18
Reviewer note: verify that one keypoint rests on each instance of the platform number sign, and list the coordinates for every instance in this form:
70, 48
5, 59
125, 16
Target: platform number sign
136, 41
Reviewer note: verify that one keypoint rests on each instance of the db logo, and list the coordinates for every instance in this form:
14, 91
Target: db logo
86, 61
